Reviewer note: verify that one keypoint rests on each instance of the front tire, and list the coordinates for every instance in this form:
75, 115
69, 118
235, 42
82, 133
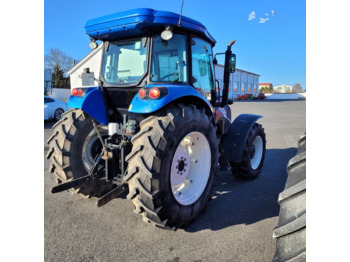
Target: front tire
253, 155
170, 178
72, 147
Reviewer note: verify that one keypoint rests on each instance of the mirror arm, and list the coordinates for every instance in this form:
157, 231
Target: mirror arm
215, 61
228, 53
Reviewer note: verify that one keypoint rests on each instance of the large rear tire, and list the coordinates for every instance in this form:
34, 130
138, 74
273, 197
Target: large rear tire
72, 147
290, 231
172, 166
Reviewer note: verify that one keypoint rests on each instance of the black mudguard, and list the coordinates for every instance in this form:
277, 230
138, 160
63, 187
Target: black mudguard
236, 136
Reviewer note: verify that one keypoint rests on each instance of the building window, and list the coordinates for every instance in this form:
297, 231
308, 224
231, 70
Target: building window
249, 88
242, 88
254, 89
235, 86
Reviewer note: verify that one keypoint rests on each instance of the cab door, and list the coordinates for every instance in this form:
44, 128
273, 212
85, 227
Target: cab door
202, 67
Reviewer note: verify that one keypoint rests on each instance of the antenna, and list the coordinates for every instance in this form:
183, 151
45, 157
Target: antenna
179, 23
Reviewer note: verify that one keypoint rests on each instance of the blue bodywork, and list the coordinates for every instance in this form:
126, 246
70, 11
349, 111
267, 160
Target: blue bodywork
92, 103
136, 22
175, 92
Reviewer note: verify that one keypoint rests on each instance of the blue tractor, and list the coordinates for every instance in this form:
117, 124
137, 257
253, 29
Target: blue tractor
157, 125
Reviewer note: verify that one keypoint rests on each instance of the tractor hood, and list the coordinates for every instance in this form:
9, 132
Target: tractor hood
138, 22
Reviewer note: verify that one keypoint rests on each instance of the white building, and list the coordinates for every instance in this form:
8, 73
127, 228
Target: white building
241, 82
283, 89
92, 61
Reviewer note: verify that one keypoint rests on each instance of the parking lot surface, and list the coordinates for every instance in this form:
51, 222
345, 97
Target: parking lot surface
236, 225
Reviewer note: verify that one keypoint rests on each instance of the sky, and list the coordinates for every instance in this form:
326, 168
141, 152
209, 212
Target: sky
270, 34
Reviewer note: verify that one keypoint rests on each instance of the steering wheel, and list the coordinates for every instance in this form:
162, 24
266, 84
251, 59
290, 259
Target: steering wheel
168, 75
123, 79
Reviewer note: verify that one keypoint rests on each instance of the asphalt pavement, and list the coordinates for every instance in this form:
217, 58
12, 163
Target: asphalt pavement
236, 225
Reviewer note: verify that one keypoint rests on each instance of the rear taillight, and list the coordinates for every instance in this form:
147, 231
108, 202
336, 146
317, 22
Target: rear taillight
154, 93
78, 92
142, 93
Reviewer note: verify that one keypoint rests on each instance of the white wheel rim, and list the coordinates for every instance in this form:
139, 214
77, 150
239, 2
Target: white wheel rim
256, 158
190, 168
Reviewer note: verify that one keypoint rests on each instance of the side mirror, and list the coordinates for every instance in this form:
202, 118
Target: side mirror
232, 63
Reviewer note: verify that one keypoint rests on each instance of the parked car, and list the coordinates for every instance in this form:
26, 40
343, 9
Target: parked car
54, 108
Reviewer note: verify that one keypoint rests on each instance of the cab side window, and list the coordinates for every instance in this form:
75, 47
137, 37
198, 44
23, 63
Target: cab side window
202, 66
169, 60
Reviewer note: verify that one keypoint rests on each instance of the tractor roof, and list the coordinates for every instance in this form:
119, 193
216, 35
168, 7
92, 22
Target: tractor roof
137, 22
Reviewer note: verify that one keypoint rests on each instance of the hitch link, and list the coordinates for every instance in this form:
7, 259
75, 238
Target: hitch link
81, 180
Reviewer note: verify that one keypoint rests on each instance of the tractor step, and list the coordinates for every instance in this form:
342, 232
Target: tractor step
111, 194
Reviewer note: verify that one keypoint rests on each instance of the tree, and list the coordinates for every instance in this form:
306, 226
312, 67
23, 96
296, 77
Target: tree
60, 63
55, 58
297, 88
58, 79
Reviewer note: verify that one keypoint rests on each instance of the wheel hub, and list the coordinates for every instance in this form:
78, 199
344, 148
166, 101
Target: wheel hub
180, 167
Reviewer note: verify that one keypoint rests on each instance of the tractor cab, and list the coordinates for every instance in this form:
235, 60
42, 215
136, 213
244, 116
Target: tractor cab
145, 49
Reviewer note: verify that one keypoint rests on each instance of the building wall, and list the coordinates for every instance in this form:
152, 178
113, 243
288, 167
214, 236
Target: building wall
283, 89
92, 61
241, 82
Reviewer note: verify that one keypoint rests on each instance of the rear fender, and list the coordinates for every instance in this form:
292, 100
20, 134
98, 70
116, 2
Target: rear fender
236, 137
171, 94
92, 103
